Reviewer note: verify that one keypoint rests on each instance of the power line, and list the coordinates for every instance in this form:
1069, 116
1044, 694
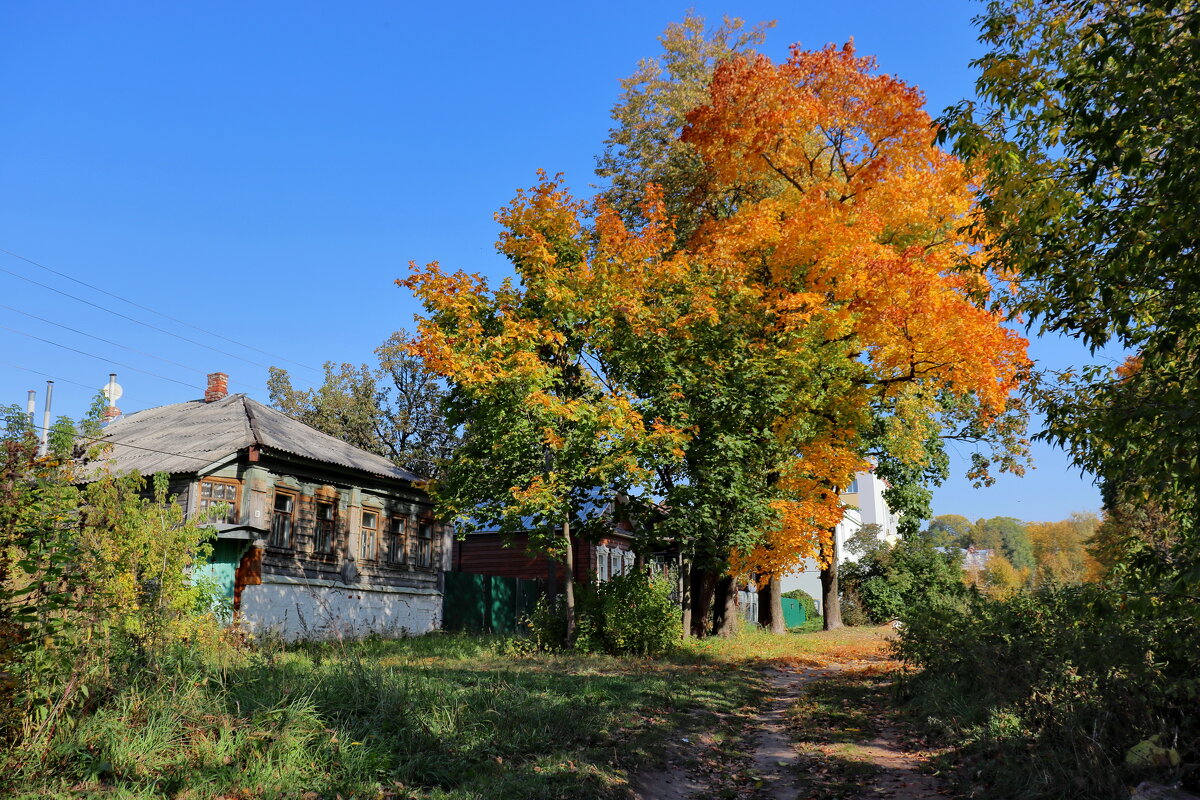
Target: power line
47, 375
153, 311
114, 344
103, 440
131, 319
98, 358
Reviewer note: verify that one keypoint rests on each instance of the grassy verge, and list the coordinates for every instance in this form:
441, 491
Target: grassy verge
440, 717
433, 717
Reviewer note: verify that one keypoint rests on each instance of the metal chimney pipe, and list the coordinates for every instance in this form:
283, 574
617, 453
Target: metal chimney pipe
31, 406
112, 393
43, 444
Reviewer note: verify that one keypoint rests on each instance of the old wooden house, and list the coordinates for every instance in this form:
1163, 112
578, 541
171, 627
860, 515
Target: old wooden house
316, 538
508, 556
608, 549
495, 578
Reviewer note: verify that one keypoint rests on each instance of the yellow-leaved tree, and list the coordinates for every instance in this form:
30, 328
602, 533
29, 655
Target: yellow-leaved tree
831, 314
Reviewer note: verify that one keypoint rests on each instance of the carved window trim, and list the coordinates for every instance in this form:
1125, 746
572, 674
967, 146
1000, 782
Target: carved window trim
368, 535
218, 489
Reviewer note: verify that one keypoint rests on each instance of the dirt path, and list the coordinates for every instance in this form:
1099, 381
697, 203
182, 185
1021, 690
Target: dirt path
830, 760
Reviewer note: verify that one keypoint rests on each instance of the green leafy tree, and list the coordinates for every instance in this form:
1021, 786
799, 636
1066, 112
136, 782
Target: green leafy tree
1008, 536
645, 145
889, 580
867, 541
1085, 134
550, 423
345, 405
949, 530
394, 410
719, 500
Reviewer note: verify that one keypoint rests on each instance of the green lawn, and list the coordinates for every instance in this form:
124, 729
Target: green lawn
440, 716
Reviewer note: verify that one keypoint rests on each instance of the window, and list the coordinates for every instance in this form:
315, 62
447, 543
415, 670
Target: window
283, 520
368, 535
398, 540
325, 532
217, 491
425, 544
853, 487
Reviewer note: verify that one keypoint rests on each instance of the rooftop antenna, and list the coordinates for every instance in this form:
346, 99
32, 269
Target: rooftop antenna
43, 442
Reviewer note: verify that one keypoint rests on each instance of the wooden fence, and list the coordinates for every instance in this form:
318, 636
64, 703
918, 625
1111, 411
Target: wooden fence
486, 603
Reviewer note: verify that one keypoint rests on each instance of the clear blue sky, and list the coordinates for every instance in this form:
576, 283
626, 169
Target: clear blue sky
265, 170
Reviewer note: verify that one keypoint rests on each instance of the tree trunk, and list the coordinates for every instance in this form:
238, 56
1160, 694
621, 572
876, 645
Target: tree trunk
703, 583
831, 603
569, 583
770, 607
764, 605
685, 594
725, 608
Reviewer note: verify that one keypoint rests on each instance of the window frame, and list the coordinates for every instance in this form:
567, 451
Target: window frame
291, 516
397, 541
424, 558
374, 533
332, 520
235, 508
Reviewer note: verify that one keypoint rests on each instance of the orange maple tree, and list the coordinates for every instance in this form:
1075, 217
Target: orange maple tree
860, 237
743, 376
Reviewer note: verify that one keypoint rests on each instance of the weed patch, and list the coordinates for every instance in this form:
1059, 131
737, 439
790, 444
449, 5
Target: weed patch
1043, 695
446, 717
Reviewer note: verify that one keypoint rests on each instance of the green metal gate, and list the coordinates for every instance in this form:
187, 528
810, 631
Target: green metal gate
793, 613
486, 603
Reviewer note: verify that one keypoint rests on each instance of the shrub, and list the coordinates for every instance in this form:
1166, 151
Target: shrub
853, 612
627, 615
94, 581
547, 624
638, 615
886, 581
1076, 675
884, 598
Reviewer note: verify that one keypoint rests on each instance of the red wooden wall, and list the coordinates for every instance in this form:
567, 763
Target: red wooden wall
485, 554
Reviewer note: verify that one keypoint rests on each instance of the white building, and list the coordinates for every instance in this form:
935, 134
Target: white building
864, 506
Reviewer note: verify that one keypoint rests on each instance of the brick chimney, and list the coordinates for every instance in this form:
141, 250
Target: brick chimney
218, 387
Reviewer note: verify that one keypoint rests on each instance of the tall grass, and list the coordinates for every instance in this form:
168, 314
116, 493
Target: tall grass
433, 717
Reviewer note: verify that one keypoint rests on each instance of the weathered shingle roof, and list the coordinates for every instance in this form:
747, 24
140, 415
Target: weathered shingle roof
185, 437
